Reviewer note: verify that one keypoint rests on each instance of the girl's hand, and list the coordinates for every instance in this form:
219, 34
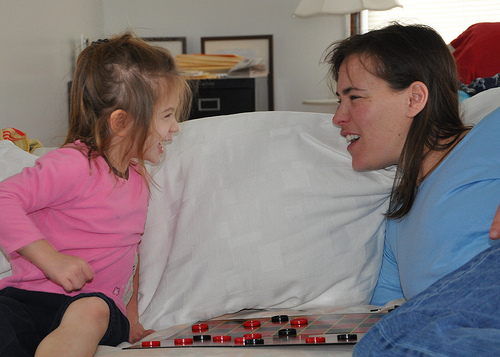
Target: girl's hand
67, 271
137, 332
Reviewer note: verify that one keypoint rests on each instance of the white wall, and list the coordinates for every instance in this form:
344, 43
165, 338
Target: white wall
41, 38
38, 43
298, 43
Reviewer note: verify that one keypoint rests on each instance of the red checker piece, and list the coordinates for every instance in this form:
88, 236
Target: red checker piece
250, 336
199, 327
221, 338
319, 339
151, 344
183, 341
239, 340
299, 321
251, 323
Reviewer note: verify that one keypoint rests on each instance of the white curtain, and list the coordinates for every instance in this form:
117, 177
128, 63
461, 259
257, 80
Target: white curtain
449, 17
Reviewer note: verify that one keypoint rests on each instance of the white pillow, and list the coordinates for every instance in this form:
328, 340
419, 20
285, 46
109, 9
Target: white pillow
255, 211
478, 106
12, 160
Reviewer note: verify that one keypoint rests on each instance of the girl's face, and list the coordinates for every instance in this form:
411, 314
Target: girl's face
373, 117
164, 125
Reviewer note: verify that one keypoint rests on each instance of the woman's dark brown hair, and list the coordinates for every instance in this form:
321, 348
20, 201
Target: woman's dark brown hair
400, 55
121, 73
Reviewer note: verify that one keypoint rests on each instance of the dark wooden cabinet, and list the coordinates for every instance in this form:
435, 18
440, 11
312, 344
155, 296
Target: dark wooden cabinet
223, 96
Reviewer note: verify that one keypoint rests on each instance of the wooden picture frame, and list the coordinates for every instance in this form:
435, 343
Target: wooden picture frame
256, 46
176, 45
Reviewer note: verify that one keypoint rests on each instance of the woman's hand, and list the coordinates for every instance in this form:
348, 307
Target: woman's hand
495, 226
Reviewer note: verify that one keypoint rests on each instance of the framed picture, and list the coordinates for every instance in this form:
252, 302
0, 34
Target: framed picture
254, 46
176, 45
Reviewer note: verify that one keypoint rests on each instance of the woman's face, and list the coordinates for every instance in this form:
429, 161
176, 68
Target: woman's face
373, 117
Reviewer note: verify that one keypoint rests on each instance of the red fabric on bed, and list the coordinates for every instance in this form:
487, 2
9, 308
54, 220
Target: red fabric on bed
477, 51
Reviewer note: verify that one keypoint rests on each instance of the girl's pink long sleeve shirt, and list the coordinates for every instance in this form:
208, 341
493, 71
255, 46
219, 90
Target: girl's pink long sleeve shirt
81, 209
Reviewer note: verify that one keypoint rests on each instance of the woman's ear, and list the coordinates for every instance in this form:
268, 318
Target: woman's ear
119, 122
418, 94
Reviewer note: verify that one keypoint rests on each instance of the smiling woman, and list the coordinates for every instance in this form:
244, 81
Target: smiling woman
403, 87
375, 119
399, 106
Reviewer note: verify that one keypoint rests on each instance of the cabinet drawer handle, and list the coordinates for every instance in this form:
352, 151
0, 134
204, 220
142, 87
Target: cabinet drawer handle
208, 104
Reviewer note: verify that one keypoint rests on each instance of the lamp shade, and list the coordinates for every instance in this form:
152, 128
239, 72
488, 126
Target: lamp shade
308, 8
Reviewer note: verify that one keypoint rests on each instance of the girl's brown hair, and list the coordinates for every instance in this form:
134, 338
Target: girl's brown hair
124, 73
401, 55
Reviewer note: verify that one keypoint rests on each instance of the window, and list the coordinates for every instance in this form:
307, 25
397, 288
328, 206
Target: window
448, 17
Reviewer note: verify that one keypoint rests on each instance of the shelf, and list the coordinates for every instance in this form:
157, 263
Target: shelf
321, 102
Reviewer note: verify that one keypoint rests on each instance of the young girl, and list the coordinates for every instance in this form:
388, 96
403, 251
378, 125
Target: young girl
72, 223
398, 93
